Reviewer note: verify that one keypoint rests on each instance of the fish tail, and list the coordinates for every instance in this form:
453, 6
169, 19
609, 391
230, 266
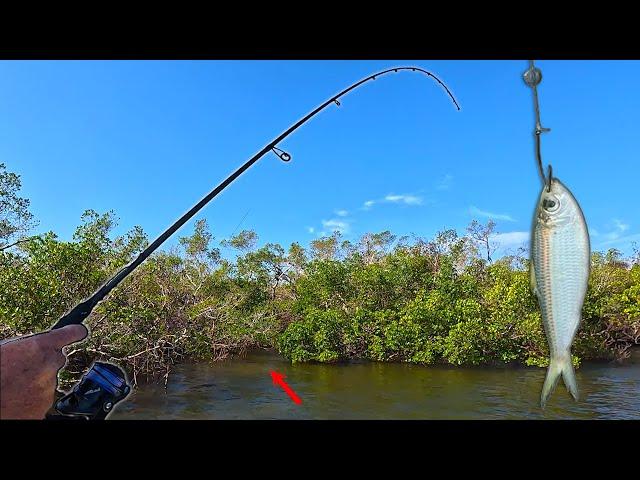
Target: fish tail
560, 365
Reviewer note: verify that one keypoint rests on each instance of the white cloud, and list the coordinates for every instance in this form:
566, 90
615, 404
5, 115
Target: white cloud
445, 182
473, 210
623, 227
618, 239
511, 239
342, 213
616, 233
593, 232
406, 199
311, 229
334, 224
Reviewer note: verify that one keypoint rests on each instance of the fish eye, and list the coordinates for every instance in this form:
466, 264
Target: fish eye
550, 204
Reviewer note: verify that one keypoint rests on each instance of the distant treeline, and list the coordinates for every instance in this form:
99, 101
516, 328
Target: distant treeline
381, 298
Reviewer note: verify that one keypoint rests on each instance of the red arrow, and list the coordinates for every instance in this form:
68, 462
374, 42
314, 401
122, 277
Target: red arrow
278, 380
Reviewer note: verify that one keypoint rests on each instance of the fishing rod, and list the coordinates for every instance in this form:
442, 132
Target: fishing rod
110, 377
82, 310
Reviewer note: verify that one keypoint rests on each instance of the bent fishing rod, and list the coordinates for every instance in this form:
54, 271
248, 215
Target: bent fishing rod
83, 309
105, 384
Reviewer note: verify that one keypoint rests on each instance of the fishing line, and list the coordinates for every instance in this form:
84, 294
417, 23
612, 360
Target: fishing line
239, 223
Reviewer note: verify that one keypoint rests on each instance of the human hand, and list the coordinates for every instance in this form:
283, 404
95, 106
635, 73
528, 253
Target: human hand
29, 368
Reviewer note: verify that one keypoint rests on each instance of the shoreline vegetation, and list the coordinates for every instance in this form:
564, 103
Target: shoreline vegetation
380, 298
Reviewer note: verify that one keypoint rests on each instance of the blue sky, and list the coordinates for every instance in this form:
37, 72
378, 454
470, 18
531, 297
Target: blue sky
148, 139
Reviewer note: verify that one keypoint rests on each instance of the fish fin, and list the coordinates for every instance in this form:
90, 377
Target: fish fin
559, 366
532, 278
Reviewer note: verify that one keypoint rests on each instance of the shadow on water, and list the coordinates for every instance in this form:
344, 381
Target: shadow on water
241, 388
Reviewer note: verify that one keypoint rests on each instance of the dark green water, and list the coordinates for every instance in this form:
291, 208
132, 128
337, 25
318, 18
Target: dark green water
242, 388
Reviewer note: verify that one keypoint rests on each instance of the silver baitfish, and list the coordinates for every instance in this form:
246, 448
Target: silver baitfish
560, 262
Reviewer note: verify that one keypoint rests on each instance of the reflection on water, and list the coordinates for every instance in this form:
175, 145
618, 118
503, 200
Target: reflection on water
242, 388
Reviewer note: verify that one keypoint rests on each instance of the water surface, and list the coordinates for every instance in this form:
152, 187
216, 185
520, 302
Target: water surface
241, 388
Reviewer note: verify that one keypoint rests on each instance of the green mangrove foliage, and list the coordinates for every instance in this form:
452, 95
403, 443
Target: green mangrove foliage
443, 302
381, 298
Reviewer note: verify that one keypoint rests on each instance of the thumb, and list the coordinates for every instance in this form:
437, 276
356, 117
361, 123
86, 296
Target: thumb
68, 335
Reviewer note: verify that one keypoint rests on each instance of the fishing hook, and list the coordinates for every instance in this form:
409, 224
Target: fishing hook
533, 77
82, 310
